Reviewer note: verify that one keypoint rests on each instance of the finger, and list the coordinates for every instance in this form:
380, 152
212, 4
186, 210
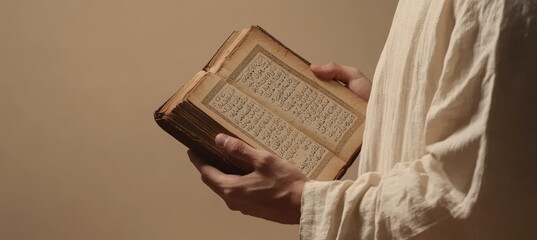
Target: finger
238, 149
209, 174
336, 72
362, 88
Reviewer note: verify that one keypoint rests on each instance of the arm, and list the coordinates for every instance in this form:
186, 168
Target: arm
472, 175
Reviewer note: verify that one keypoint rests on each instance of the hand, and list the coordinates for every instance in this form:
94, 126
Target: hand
273, 190
351, 77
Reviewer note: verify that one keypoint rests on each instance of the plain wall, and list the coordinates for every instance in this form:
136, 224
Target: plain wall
80, 154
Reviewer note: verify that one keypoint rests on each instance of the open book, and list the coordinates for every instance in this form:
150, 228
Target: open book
258, 90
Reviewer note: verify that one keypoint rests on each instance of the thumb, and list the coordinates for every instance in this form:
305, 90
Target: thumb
236, 148
336, 71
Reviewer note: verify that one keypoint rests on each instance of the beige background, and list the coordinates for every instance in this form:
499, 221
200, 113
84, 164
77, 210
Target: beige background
80, 154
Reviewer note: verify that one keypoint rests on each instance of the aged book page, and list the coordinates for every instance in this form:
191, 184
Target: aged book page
254, 123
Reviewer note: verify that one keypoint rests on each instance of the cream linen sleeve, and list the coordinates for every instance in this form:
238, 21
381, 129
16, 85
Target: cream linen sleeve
475, 177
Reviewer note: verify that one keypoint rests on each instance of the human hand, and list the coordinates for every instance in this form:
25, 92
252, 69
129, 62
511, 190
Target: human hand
351, 77
273, 190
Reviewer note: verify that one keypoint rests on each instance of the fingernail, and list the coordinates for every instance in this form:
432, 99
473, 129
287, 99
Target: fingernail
220, 139
317, 67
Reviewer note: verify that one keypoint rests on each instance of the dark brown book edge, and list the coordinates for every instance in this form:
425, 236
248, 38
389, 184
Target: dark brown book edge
343, 170
201, 149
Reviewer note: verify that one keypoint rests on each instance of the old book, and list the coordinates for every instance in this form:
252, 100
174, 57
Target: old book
260, 91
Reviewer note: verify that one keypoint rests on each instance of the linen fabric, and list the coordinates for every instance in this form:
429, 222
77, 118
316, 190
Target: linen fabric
450, 142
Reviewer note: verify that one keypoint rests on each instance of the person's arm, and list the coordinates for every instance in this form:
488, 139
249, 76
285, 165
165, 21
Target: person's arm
475, 177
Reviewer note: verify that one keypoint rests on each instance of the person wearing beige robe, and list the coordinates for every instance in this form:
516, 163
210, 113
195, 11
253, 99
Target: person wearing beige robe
450, 146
